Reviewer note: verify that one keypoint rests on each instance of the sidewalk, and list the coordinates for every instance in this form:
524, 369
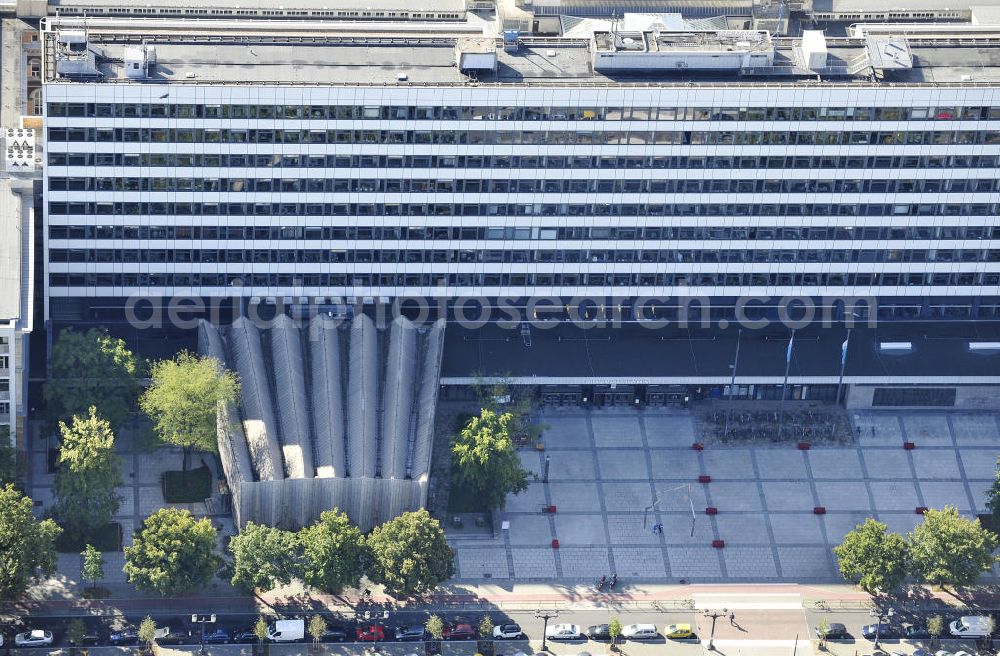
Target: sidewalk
522, 597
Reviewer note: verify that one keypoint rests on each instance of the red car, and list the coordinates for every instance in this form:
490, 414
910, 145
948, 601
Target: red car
371, 633
459, 632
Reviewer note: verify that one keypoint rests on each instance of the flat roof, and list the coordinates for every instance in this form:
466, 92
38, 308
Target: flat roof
286, 5
208, 51
10, 252
568, 353
868, 6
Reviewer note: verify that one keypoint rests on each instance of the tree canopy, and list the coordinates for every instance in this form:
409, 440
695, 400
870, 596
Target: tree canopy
183, 398
264, 557
993, 498
948, 549
89, 368
27, 545
410, 554
93, 565
173, 553
334, 553
484, 460
89, 473
872, 557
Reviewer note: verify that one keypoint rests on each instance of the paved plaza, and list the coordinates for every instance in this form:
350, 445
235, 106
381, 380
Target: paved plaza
607, 467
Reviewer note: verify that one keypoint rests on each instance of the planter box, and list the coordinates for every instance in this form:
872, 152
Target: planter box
819, 510
551, 510
698, 446
555, 543
909, 446
704, 478
804, 446
719, 544
921, 510
711, 511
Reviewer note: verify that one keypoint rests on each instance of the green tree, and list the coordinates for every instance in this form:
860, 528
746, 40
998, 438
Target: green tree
484, 460
89, 473
614, 629
435, 627
93, 565
260, 630
935, 627
264, 558
183, 398
173, 553
8, 458
317, 627
147, 631
948, 549
410, 554
823, 630
88, 368
27, 546
993, 498
486, 627
333, 553
75, 631
872, 557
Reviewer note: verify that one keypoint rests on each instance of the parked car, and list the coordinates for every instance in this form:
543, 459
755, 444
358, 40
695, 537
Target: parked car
883, 630
834, 631
33, 638
639, 631
971, 626
676, 631
916, 632
370, 633
460, 631
507, 632
165, 636
563, 632
216, 636
410, 633
246, 636
599, 632
334, 633
127, 635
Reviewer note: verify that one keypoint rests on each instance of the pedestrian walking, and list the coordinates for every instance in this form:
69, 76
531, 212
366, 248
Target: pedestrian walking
732, 619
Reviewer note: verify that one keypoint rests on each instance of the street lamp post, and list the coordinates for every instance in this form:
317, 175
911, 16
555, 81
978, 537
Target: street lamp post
545, 616
879, 615
199, 618
714, 615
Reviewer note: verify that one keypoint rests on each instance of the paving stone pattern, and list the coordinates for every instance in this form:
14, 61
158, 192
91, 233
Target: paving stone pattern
615, 474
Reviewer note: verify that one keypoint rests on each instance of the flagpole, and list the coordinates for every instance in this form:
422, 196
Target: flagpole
784, 385
843, 363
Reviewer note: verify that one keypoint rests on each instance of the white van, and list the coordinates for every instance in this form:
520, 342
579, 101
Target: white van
639, 632
287, 631
972, 626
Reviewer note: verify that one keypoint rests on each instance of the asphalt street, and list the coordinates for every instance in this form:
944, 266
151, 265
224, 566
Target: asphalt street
747, 624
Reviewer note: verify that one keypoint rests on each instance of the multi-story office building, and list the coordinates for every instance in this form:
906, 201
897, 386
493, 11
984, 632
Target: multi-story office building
299, 162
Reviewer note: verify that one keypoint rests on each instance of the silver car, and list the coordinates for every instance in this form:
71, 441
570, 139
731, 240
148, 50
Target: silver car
35, 638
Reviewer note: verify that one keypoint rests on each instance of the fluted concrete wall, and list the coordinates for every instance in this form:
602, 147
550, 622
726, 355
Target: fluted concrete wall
400, 376
338, 431
423, 440
362, 417
327, 394
258, 418
290, 391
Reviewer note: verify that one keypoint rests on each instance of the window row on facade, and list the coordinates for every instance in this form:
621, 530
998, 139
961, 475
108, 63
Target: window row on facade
515, 113
58, 208
577, 255
551, 162
564, 233
492, 137
533, 185
500, 280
